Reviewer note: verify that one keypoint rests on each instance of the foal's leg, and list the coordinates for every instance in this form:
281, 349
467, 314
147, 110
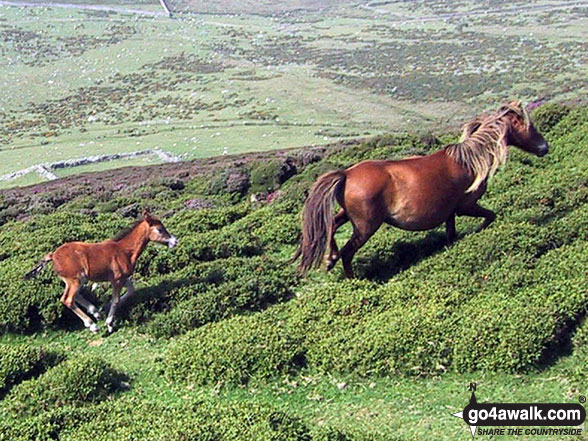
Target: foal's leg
116, 287
84, 303
130, 291
339, 219
68, 299
362, 231
475, 210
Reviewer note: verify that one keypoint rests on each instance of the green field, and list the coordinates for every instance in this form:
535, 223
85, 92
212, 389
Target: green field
231, 77
226, 342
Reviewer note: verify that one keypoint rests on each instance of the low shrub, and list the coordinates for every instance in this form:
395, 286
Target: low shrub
267, 176
77, 381
232, 180
130, 418
188, 222
234, 350
227, 288
576, 372
546, 116
21, 362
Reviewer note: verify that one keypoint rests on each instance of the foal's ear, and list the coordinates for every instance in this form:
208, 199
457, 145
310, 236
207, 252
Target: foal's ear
147, 216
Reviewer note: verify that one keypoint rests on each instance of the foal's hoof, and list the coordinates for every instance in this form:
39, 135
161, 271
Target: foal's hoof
110, 326
93, 328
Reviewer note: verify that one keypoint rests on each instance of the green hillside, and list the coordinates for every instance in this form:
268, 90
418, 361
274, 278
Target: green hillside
225, 342
228, 77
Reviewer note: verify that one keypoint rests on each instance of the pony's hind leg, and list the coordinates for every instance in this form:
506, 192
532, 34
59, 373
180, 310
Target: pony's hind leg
84, 303
361, 234
339, 219
68, 299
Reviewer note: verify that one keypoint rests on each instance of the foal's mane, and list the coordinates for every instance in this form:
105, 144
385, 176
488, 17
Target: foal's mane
128, 230
483, 147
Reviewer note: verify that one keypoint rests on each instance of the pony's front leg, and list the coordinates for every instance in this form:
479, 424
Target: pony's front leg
450, 229
475, 210
116, 287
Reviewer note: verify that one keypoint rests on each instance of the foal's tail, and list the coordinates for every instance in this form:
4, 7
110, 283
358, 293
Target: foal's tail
317, 219
39, 266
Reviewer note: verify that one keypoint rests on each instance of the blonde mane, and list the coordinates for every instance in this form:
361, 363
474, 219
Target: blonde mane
483, 148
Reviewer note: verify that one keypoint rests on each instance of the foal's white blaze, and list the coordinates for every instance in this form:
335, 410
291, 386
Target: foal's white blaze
172, 242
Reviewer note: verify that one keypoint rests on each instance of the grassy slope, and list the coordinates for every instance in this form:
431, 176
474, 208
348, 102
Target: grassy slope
496, 300
280, 78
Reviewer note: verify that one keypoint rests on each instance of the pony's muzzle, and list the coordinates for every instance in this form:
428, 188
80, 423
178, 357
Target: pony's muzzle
543, 149
172, 242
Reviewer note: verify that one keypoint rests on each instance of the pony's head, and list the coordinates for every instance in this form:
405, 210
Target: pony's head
486, 138
157, 232
520, 130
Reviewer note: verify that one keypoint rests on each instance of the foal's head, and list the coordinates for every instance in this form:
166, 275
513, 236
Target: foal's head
157, 232
520, 130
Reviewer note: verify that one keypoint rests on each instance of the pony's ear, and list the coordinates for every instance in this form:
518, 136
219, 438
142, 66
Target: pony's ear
514, 106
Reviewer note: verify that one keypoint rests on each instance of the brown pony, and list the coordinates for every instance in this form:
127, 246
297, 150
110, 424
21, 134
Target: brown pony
415, 194
113, 260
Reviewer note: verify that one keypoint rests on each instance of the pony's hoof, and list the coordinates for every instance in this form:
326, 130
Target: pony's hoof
110, 327
331, 263
93, 328
97, 315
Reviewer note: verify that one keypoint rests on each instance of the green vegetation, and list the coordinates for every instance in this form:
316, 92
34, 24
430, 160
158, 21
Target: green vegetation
20, 362
229, 77
80, 380
224, 341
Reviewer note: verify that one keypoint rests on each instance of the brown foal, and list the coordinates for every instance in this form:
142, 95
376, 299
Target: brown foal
415, 194
113, 260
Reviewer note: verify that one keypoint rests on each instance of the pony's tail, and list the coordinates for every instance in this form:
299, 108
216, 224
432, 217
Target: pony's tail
317, 220
39, 267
